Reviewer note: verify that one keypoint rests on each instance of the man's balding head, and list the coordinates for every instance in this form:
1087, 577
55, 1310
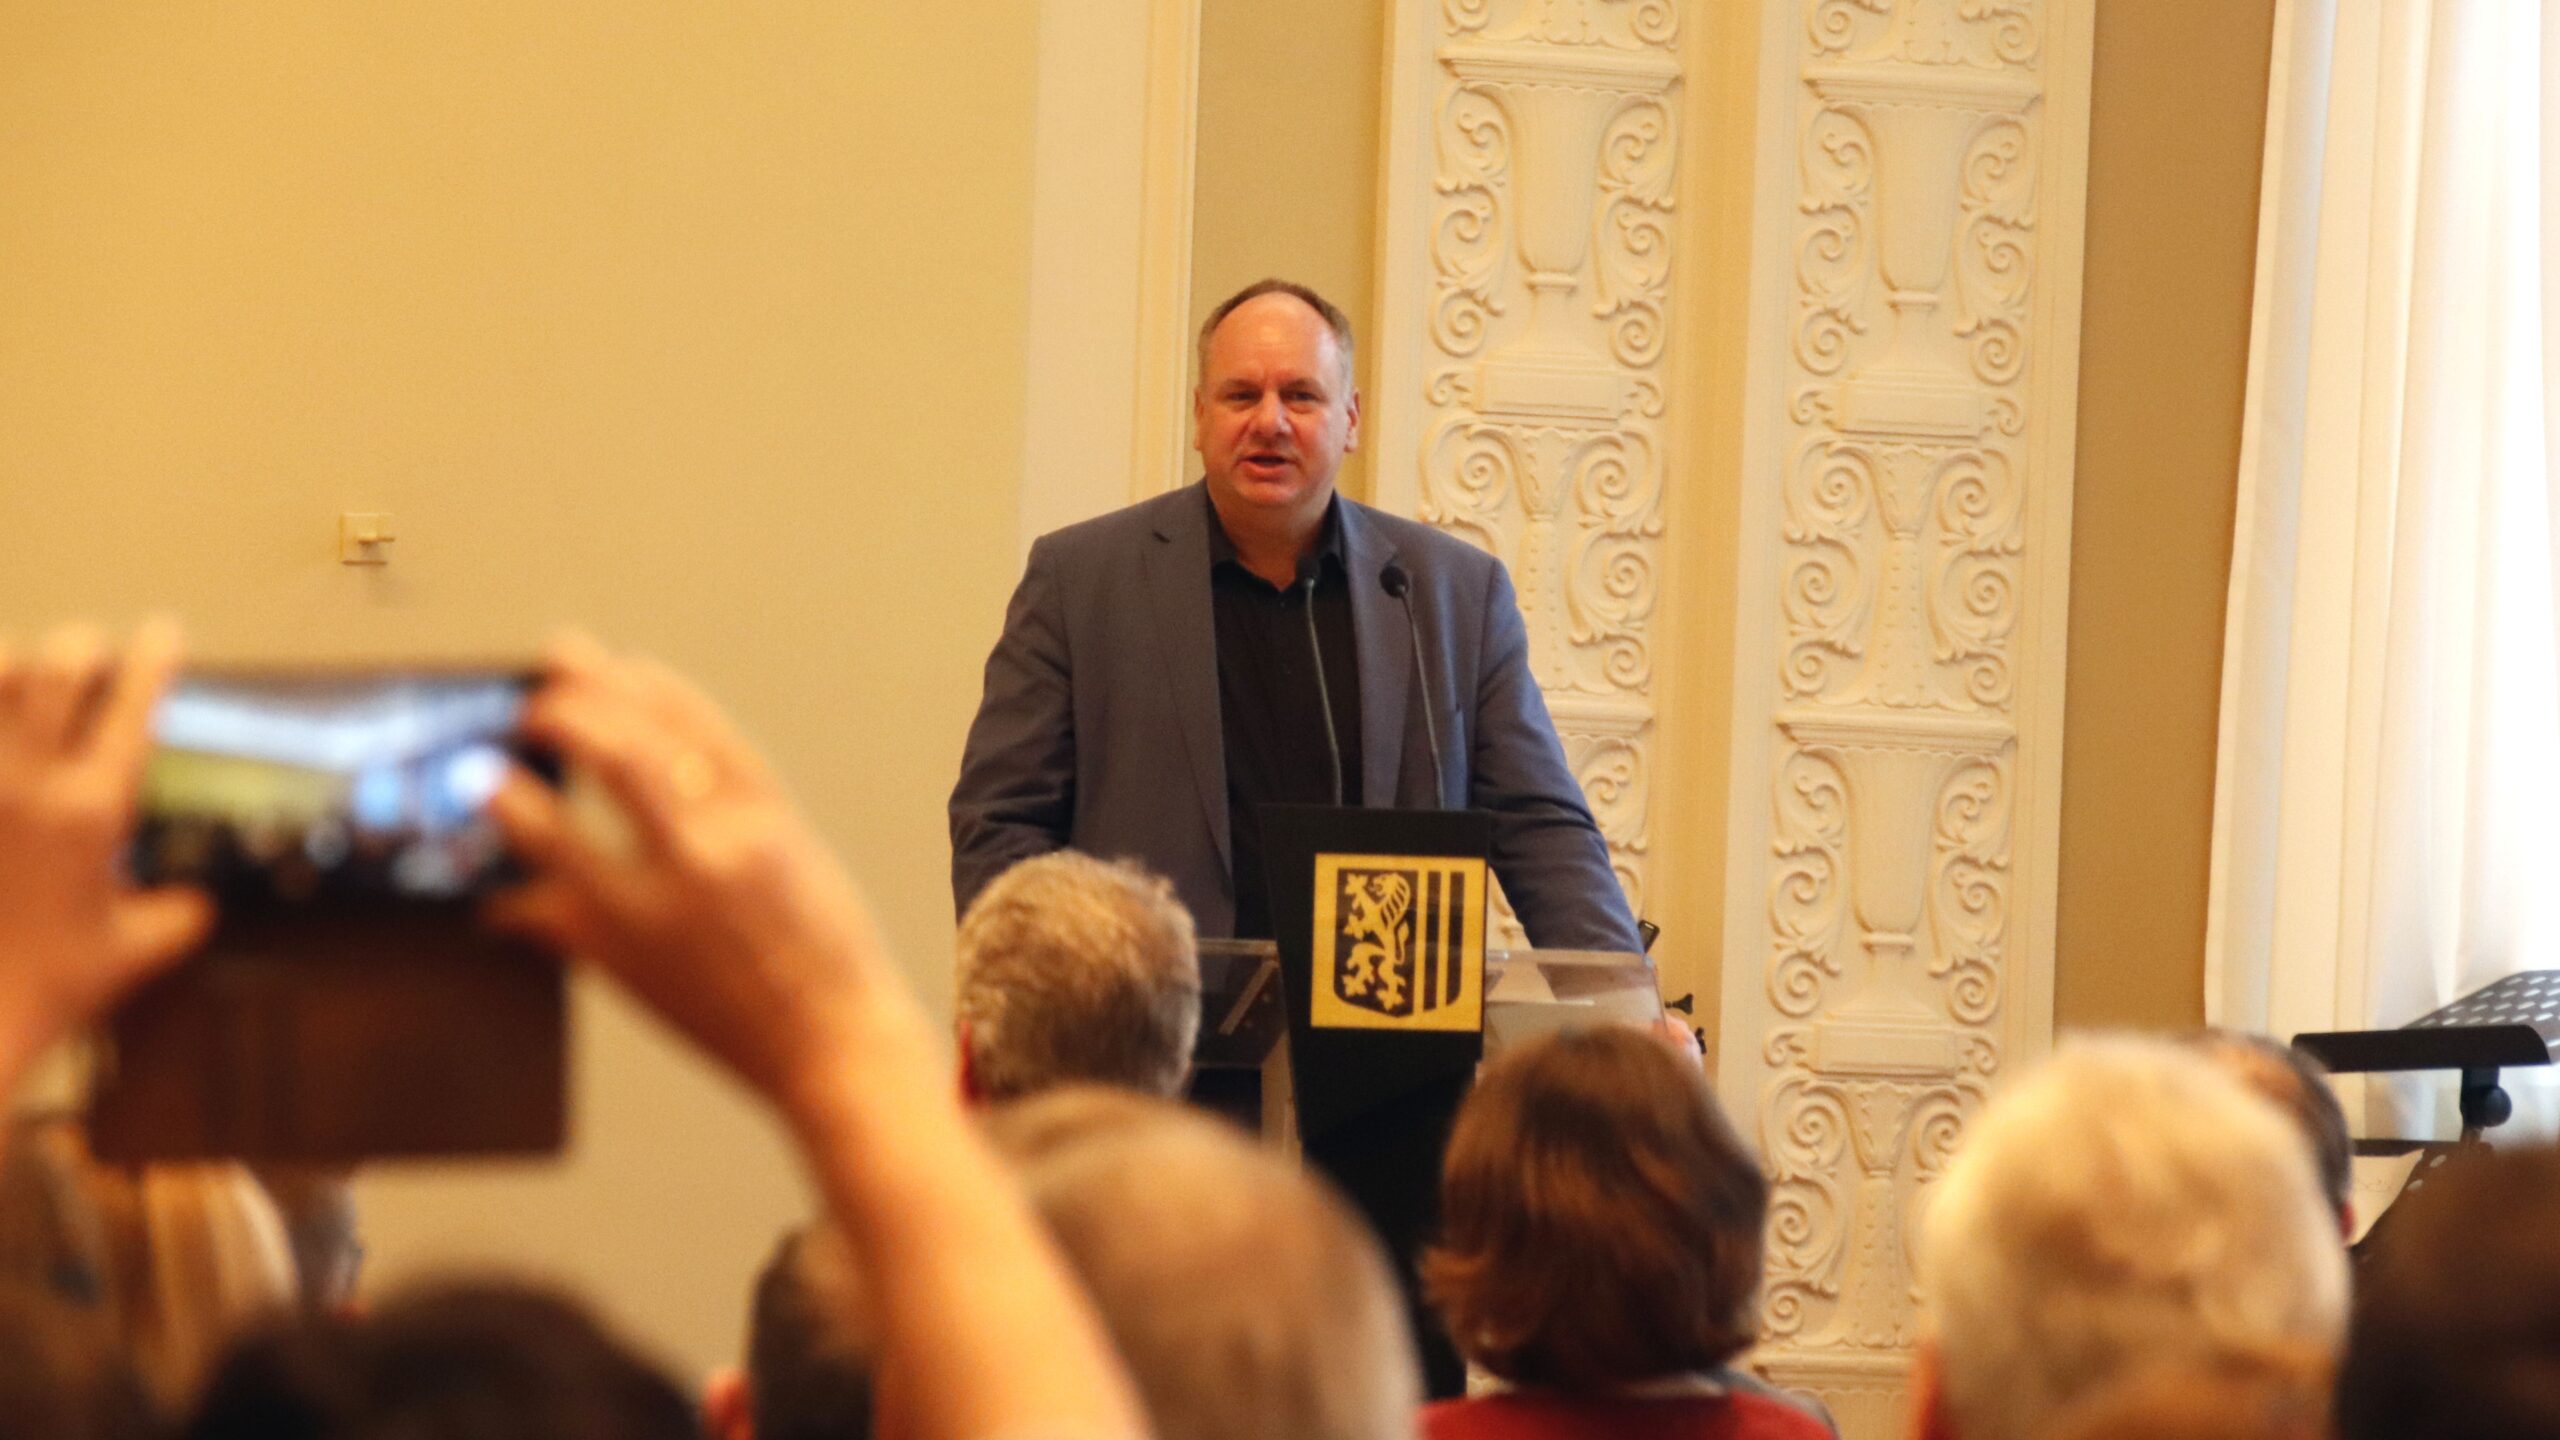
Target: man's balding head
1337, 324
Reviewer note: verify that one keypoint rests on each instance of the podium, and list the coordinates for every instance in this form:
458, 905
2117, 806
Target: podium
1370, 1010
1388, 1161
1368, 1014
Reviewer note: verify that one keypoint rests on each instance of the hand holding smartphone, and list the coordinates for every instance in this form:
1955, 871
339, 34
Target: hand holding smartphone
349, 1004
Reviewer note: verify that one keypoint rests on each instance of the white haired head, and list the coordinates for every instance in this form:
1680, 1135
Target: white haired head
2127, 1204
1071, 969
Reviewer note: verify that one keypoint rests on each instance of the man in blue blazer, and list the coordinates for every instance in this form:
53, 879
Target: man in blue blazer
1158, 676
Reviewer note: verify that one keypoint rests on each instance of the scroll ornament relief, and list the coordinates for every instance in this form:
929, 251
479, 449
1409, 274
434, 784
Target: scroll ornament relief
1550, 252
1866, 1103
1988, 34
1616, 24
1900, 601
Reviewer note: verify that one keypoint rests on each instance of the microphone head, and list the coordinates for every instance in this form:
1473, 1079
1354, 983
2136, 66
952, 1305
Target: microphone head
1395, 580
1310, 569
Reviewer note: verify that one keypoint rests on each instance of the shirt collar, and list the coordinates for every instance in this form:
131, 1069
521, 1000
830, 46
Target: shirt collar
1222, 551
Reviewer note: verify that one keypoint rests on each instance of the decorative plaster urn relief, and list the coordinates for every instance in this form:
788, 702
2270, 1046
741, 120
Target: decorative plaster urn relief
1548, 253
1878, 1053
1897, 722
1920, 127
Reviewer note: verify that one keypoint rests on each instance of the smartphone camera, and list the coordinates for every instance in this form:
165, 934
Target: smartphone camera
279, 789
349, 1004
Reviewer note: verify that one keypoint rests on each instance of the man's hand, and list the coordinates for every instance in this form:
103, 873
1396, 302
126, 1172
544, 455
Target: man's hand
726, 914
75, 934
1675, 1034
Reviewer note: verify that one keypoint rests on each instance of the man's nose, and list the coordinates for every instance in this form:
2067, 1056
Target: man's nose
1270, 417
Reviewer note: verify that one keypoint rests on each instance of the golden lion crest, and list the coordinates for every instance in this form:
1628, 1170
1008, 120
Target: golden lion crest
1378, 970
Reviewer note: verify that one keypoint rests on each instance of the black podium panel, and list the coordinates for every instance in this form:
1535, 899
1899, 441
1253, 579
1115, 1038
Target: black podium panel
1389, 996
1379, 916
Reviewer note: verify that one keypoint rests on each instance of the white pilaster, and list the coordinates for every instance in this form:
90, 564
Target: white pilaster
1904, 567
1525, 287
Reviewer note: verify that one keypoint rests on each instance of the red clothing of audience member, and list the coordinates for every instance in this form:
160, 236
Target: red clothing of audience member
1521, 1415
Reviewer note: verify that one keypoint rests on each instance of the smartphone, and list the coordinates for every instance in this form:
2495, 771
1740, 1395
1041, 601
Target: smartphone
349, 1005
288, 788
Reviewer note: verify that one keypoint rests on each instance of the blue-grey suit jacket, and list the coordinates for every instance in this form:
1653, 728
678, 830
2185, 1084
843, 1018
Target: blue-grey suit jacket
1099, 728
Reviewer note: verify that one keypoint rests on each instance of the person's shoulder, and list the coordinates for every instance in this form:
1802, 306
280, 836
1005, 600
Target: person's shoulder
1121, 527
1768, 1416
1480, 1418
1422, 548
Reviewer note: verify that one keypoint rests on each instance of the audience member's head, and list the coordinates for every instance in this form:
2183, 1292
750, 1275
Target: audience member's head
809, 1356
1600, 1220
2126, 1205
1248, 1300
471, 1362
179, 1259
63, 1376
2457, 1322
2299, 1086
2267, 1399
1076, 969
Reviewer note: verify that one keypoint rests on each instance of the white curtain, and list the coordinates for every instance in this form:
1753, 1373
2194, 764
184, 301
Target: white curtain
2387, 808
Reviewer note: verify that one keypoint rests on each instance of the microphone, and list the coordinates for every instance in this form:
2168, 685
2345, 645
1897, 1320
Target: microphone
1309, 567
1400, 585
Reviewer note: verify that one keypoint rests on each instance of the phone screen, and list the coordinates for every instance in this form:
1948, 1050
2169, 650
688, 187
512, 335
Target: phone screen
292, 788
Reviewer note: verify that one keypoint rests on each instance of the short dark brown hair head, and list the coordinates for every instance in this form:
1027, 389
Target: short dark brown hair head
483, 1360
2299, 1086
2456, 1328
1600, 1220
809, 1360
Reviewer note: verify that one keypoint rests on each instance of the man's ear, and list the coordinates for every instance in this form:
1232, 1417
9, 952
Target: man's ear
968, 1071
1351, 437
726, 1411
1929, 1418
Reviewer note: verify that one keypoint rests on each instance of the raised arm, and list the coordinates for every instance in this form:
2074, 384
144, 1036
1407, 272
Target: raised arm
727, 916
1016, 794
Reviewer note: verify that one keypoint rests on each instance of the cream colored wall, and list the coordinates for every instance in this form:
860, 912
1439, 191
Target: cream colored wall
1287, 172
2178, 118
700, 325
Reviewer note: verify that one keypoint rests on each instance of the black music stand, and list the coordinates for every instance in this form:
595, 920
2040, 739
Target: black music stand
2508, 1023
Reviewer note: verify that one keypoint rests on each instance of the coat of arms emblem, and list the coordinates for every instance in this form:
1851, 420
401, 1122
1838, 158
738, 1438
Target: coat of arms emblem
1399, 942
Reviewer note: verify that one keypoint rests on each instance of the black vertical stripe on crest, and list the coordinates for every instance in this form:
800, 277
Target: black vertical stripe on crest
1457, 945
1448, 966
1426, 973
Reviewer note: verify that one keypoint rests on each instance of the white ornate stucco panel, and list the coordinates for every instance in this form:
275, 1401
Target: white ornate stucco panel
1904, 567
1525, 296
